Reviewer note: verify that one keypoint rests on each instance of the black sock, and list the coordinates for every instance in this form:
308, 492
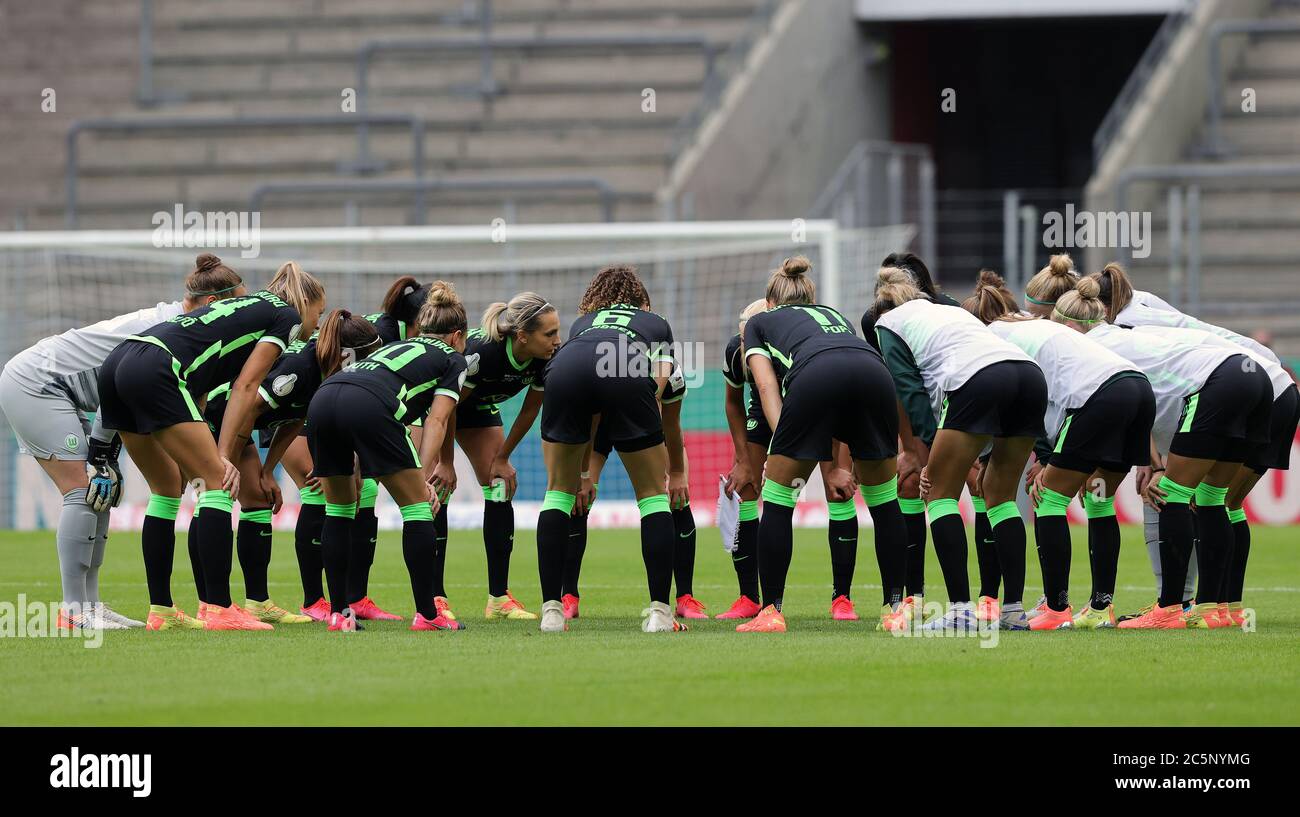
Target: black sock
986, 556
1103, 556
216, 550
306, 544
418, 537
365, 532
745, 559
657, 535
575, 547
336, 550
253, 542
1009, 534
916, 536
1212, 552
196, 561
775, 549
552, 544
440, 552
1175, 551
498, 542
684, 550
842, 535
1052, 534
158, 542
1235, 582
949, 534
890, 532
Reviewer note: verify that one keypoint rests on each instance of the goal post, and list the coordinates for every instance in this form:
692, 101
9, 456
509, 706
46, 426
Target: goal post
699, 275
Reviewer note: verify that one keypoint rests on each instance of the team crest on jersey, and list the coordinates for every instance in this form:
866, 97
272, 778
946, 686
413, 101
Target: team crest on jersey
471, 363
460, 381
283, 384
293, 333
71, 442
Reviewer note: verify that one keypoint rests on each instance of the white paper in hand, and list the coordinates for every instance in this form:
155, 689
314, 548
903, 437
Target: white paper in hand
728, 515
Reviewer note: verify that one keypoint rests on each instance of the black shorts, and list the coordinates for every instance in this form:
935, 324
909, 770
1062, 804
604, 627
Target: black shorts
839, 394
1229, 417
141, 391
1282, 422
471, 413
581, 385
1111, 430
757, 430
1007, 399
345, 421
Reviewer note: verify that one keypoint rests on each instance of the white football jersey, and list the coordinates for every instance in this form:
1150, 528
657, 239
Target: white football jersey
1278, 376
1073, 366
1136, 315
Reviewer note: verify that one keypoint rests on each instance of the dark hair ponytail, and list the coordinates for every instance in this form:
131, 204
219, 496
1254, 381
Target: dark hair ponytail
404, 299
912, 264
339, 331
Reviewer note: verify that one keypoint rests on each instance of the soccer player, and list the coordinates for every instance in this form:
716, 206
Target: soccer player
149, 386
1128, 307
359, 416
279, 409
679, 501
750, 437
832, 402
1275, 453
1212, 408
909, 487
1102, 409
47, 391
962, 385
612, 369
505, 355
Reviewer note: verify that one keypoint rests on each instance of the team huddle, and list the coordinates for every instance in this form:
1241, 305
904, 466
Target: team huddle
1092, 378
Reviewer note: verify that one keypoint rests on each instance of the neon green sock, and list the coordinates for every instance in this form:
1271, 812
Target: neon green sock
842, 510
558, 501
417, 512
312, 495
263, 516
748, 510
1236, 515
1005, 511
653, 504
1098, 508
881, 494
1050, 503
912, 505
345, 511
780, 494
218, 500
940, 508
1175, 492
163, 507
977, 502
369, 493
1208, 495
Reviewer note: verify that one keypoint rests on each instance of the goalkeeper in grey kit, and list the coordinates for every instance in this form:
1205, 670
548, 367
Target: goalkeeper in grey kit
47, 393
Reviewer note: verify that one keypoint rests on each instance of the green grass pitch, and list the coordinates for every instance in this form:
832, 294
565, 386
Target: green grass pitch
606, 671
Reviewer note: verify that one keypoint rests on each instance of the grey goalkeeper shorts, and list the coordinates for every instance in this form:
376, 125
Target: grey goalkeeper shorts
47, 425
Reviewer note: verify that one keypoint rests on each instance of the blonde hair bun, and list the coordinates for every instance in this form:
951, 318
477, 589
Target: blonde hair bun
794, 267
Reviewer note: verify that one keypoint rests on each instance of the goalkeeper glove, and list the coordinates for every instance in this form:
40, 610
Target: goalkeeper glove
105, 488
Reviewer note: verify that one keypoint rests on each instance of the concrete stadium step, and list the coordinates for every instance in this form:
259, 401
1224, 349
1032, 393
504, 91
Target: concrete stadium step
1239, 241
1263, 132
1271, 92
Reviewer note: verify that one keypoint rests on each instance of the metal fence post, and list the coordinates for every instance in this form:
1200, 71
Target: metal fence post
926, 188
1194, 248
1175, 246
1011, 236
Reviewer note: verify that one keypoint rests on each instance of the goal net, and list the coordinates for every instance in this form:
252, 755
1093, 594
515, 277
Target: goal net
699, 275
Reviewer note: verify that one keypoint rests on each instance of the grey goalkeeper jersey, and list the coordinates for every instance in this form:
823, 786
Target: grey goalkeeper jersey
68, 364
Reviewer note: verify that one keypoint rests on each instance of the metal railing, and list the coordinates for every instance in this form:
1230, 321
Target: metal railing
351, 120
720, 74
1214, 145
607, 194
1184, 214
487, 46
854, 198
1142, 73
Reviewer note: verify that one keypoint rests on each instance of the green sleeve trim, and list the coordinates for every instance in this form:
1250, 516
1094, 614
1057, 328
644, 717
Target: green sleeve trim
266, 395
908, 383
448, 393
272, 339
757, 351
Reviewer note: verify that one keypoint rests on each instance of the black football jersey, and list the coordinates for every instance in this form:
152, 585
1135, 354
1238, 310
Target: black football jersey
212, 343
493, 371
643, 330
390, 329
791, 334
287, 389
407, 375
